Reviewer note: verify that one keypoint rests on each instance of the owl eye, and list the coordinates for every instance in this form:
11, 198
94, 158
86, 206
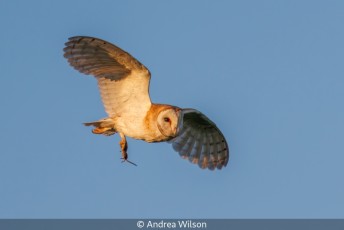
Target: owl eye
166, 119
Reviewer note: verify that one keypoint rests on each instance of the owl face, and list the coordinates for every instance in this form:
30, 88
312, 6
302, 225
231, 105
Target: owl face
168, 121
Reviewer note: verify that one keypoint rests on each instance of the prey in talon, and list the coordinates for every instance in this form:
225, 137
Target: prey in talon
124, 148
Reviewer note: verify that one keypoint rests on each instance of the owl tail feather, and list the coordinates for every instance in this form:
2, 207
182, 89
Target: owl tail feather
103, 126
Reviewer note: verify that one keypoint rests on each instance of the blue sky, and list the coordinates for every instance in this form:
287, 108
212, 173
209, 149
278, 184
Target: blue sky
269, 73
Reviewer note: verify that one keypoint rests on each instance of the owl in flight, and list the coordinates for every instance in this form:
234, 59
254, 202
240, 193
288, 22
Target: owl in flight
124, 88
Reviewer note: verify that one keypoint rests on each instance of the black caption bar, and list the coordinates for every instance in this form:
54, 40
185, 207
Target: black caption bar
137, 224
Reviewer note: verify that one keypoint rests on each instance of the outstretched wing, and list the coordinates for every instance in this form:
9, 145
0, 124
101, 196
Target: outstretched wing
123, 81
200, 141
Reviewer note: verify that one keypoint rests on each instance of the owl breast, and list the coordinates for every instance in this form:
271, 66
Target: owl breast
135, 126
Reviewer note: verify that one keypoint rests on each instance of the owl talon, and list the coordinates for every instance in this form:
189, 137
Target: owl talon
124, 148
126, 160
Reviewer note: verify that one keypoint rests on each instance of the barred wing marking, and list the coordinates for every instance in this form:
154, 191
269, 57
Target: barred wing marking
200, 141
121, 78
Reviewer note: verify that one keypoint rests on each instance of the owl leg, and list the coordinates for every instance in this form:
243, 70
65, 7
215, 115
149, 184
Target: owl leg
124, 148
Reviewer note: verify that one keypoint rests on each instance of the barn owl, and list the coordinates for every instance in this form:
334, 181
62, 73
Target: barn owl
124, 88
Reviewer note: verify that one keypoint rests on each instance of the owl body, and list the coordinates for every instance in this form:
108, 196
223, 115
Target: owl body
123, 83
142, 126
130, 125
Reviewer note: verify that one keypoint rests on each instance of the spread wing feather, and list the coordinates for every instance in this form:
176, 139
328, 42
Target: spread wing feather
123, 81
200, 141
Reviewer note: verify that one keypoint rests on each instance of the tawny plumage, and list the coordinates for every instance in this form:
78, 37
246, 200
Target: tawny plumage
124, 88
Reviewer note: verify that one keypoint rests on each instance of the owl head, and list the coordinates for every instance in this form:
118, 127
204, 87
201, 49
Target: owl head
168, 121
